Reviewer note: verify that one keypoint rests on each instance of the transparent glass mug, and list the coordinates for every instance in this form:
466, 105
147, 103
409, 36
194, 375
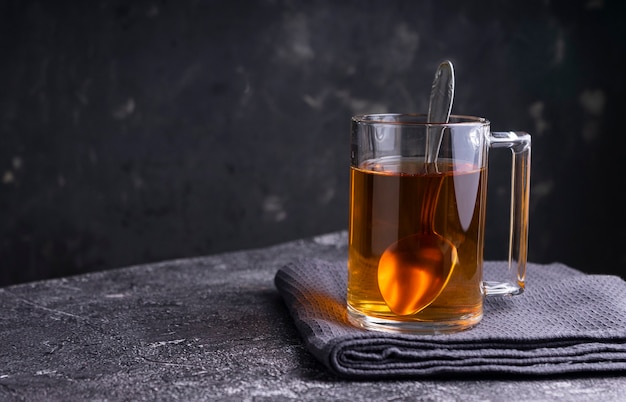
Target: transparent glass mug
417, 221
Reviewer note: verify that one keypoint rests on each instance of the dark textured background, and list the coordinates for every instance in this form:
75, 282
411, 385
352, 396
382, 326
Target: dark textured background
133, 132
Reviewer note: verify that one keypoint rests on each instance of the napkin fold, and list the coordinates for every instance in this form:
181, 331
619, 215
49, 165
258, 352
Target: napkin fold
565, 322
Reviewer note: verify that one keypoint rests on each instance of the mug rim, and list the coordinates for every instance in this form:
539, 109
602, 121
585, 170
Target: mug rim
417, 119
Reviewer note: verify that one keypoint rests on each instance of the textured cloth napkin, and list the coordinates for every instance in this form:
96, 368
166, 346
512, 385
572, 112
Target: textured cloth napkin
565, 322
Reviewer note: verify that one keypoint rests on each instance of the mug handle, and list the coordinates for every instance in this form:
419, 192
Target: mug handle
513, 282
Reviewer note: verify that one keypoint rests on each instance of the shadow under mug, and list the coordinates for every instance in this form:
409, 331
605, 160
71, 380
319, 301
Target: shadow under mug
417, 221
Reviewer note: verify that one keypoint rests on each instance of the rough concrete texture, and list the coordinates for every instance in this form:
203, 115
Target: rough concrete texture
210, 328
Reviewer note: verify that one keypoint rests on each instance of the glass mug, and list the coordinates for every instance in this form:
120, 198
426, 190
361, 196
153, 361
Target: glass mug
417, 221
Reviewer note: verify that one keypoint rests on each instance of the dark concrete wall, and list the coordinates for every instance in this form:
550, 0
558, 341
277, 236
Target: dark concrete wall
133, 132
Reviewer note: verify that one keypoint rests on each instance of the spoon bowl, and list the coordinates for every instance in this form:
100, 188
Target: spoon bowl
413, 271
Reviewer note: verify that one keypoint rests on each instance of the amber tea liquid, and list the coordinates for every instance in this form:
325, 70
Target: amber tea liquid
387, 199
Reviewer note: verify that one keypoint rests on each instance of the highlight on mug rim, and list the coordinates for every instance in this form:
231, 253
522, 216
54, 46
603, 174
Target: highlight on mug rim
416, 119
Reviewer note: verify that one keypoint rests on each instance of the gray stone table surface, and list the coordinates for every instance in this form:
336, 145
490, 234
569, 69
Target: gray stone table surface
207, 328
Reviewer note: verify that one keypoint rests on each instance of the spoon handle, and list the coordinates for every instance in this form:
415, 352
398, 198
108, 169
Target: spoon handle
429, 207
440, 106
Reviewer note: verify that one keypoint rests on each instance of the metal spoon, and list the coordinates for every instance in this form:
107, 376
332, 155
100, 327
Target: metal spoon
413, 271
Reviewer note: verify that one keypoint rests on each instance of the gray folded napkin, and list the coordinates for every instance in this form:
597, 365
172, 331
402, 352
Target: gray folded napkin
565, 322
